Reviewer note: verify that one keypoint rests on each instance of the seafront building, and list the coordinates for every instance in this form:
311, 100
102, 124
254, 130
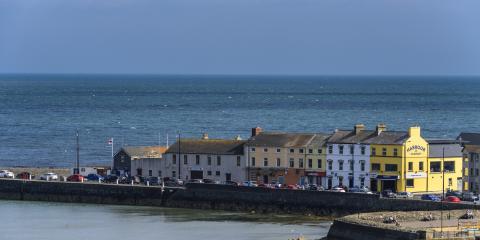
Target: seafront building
471, 162
138, 160
285, 158
348, 158
204, 158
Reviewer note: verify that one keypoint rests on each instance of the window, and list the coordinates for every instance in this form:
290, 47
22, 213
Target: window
253, 161
159, 173
185, 159
340, 149
435, 167
476, 172
340, 165
292, 150
420, 166
410, 182
310, 163
310, 150
340, 180
362, 165
278, 150
375, 166
362, 150
150, 173
330, 149
253, 149
352, 149
209, 160
219, 160
278, 162
174, 159
384, 151
265, 149
391, 167
265, 162
395, 152
292, 163
319, 163
330, 165
239, 161
217, 173
209, 173
449, 166
197, 159
450, 182
122, 158
319, 151
351, 165
410, 166
374, 151
174, 174
300, 150
300, 162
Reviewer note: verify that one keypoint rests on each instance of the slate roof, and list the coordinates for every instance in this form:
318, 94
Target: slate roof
470, 138
208, 146
145, 151
437, 146
282, 139
368, 137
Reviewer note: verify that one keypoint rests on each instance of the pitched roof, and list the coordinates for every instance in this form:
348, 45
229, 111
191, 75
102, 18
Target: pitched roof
438, 147
368, 137
145, 151
470, 138
282, 139
208, 146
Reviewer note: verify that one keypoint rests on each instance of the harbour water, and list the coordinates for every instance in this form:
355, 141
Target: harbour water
39, 114
52, 221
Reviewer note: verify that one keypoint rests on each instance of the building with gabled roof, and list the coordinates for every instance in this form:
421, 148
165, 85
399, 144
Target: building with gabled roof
138, 155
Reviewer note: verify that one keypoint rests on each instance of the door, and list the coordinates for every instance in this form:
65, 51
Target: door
459, 184
350, 182
373, 185
228, 176
389, 185
196, 174
329, 183
265, 179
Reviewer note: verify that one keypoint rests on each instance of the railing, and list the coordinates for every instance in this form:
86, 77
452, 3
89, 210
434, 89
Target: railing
463, 234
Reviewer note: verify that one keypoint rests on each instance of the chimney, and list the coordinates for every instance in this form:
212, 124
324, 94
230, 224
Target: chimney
256, 131
238, 138
358, 128
380, 128
414, 131
205, 136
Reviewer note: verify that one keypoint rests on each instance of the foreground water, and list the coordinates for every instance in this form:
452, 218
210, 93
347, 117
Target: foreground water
39, 114
52, 221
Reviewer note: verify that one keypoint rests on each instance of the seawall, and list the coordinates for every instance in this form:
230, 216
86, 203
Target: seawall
211, 196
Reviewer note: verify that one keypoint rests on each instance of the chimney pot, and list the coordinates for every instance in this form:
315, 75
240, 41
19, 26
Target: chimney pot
358, 128
381, 127
256, 131
205, 136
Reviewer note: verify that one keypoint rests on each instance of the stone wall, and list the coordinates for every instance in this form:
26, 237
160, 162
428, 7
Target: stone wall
211, 196
343, 230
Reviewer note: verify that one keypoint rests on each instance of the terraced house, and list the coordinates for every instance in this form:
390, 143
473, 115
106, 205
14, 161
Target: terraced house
348, 158
286, 158
204, 158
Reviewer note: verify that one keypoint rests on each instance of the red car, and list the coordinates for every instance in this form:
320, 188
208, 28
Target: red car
452, 199
291, 186
24, 175
75, 178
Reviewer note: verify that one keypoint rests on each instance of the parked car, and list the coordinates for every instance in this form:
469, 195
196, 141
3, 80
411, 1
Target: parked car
388, 194
454, 193
24, 175
95, 177
130, 179
198, 181
49, 176
231, 183
452, 199
337, 189
75, 178
431, 197
469, 196
291, 186
250, 184
110, 179
312, 187
153, 181
405, 195
6, 174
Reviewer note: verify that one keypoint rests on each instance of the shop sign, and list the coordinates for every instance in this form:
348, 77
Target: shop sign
373, 175
384, 177
416, 149
416, 175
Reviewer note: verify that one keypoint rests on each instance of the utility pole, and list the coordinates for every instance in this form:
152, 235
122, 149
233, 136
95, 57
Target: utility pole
443, 189
179, 157
76, 170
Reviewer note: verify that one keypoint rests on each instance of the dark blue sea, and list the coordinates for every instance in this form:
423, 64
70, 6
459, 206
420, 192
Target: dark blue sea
40, 113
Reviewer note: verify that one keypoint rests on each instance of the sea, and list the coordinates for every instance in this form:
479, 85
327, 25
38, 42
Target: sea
40, 114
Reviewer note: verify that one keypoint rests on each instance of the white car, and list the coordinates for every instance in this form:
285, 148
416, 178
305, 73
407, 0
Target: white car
6, 174
337, 189
49, 176
405, 195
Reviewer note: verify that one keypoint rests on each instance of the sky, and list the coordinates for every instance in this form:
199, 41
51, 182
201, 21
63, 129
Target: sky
279, 37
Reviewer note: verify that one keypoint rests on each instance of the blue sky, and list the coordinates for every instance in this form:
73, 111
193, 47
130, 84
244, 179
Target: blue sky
311, 37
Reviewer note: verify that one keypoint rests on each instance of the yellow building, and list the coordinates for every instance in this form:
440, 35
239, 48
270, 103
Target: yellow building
402, 161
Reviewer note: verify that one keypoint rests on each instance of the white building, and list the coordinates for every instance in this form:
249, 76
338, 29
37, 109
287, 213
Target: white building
348, 158
214, 159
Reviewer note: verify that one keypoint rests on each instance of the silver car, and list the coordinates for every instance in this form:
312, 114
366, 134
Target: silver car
405, 195
49, 176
